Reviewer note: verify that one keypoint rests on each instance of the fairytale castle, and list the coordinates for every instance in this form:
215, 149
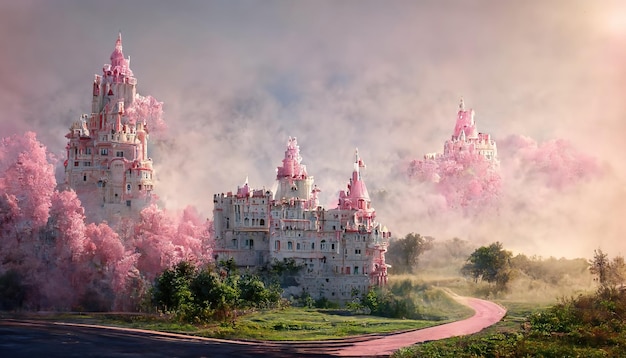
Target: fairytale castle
467, 139
341, 250
107, 153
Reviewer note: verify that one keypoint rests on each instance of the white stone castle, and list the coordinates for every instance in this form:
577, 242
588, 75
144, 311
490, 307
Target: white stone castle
342, 250
107, 154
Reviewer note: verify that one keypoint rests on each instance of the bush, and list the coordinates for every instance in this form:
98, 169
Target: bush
197, 295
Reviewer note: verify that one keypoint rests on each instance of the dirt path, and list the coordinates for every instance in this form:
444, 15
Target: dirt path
487, 314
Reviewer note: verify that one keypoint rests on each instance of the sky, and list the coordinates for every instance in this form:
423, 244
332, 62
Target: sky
237, 78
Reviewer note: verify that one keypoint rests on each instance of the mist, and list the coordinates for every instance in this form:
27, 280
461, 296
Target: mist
238, 78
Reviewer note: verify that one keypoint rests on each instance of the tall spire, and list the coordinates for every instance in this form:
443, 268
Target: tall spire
117, 57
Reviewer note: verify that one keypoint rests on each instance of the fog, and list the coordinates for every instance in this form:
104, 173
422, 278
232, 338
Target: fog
238, 78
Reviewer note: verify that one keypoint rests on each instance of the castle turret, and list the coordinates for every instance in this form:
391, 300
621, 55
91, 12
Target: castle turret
293, 181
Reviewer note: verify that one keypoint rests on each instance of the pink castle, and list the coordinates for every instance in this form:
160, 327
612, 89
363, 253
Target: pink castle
341, 249
467, 139
107, 153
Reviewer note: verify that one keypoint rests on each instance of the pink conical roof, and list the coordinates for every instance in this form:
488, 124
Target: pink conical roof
465, 123
117, 57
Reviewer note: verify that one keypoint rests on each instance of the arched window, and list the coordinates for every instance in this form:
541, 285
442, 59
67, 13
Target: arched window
289, 245
312, 246
323, 245
262, 222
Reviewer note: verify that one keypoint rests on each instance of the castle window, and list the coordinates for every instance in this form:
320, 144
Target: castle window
251, 243
84, 178
75, 164
88, 150
332, 247
356, 270
127, 202
104, 151
323, 245
235, 243
87, 164
127, 188
312, 246
289, 245
119, 154
298, 246
277, 245
262, 222
357, 251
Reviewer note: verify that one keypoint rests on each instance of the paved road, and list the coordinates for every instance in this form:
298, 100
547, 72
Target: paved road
33, 338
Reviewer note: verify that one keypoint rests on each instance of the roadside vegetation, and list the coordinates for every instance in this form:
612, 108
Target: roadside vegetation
556, 308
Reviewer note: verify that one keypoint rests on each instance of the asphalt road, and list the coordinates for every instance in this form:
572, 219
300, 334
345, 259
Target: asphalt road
39, 338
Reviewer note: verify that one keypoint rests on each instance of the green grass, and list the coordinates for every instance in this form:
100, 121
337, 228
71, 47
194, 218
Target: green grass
300, 324
293, 324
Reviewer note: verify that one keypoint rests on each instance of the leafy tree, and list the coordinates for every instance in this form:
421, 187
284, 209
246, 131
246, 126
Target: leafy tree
489, 263
610, 273
404, 254
171, 288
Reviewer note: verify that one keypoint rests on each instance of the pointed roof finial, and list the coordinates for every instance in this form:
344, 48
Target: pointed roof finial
462, 105
118, 42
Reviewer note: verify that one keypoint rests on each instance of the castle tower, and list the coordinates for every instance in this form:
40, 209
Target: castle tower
292, 179
107, 153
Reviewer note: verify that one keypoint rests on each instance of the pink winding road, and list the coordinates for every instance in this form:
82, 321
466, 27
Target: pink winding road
487, 314
28, 338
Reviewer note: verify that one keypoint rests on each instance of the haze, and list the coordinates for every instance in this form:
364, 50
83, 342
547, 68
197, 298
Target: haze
238, 78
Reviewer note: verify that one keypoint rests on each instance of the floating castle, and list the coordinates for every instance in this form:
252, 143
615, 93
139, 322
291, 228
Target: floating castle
467, 139
341, 250
107, 154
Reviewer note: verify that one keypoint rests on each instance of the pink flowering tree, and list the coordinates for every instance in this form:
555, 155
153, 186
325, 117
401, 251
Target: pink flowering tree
555, 163
467, 181
150, 111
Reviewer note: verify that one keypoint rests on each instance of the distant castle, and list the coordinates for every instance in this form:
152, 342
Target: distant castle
467, 139
342, 250
107, 154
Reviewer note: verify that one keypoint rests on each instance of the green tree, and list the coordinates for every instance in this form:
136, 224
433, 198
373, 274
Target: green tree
171, 288
404, 254
489, 263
